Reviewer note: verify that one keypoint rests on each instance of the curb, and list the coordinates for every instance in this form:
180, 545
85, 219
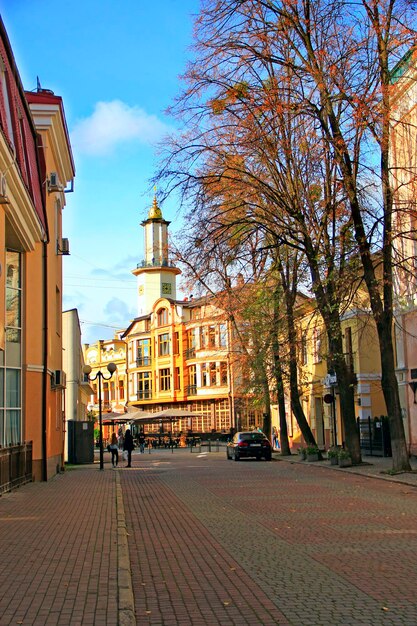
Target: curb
126, 605
349, 470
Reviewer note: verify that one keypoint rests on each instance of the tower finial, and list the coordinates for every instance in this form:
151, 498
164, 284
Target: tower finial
155, 212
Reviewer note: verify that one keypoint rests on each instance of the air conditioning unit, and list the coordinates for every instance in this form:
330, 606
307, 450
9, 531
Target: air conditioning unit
3, 190
53, 182
60, 379
64, 247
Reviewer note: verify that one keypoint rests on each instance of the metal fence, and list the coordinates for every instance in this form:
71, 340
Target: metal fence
375, 437
15, 466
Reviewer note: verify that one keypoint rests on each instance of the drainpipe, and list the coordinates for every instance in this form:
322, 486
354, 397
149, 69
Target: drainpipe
45, 377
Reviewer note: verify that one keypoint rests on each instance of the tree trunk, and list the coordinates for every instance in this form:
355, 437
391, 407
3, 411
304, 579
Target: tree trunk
266, 424
296, 407
400, 457
345, 381
283, 429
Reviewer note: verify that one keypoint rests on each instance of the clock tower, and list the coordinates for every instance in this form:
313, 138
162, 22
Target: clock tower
156, 275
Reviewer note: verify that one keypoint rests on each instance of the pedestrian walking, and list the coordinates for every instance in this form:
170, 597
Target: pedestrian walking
120, 438
142, 442
128, 446
114, 449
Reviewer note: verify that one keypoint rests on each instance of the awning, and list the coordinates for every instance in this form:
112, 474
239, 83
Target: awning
115, 420
167, 415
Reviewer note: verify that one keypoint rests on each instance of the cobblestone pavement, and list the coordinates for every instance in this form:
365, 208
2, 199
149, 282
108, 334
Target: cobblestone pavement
217, 542
193, 539
59, 551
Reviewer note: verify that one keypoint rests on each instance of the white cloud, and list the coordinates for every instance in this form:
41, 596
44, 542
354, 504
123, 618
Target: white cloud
117, 311
114, 123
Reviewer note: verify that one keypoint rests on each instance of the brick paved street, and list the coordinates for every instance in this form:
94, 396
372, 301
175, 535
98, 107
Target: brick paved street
209, 542
58, 545
218, 542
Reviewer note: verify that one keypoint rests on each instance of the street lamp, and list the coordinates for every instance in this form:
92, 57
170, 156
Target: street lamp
100, 376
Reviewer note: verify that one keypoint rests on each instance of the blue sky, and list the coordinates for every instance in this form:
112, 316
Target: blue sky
116, 65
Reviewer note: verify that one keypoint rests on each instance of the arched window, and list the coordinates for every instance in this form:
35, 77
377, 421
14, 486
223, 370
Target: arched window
162, 317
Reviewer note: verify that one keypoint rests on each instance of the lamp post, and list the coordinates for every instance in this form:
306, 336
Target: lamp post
100, 376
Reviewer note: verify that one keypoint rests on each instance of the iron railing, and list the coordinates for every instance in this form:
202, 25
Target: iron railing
375, 437
15, 466
144, 394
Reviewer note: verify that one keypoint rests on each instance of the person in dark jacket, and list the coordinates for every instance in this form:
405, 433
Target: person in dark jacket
128, 445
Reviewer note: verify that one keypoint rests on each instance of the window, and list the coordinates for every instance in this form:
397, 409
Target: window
195, 313
143, 352
106, 394
223, 374
192, 380
205, 375
164, 379
163, 341
213, 374
317, 346
304, 348
223, 336
211, 336
191, 344
203, 337
349, 349
193, 375
11, 358
162, 317
5, 93
177, 379
121, 390
176, 343
144, 385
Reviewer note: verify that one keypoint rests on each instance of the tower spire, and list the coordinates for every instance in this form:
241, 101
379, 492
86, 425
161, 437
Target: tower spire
155, 212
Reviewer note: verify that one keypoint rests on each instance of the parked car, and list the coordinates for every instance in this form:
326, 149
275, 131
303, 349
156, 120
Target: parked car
249, 444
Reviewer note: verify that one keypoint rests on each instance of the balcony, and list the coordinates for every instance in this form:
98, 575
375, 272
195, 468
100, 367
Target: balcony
155, 263
145, 394
190, 353
143, 361
191, 390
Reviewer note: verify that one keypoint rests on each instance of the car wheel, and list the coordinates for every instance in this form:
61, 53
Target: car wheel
268, 457
236, 457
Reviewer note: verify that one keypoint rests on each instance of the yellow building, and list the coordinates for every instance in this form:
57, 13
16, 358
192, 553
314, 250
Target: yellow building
404, 182
318, 386
178, 351
113, 387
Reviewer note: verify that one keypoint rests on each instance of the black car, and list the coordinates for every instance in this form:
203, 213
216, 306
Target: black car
248, 444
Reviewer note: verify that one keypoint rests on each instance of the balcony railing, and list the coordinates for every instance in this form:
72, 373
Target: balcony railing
15, 466
156, 263
143, 361
144, 394
191, 390
190, 353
